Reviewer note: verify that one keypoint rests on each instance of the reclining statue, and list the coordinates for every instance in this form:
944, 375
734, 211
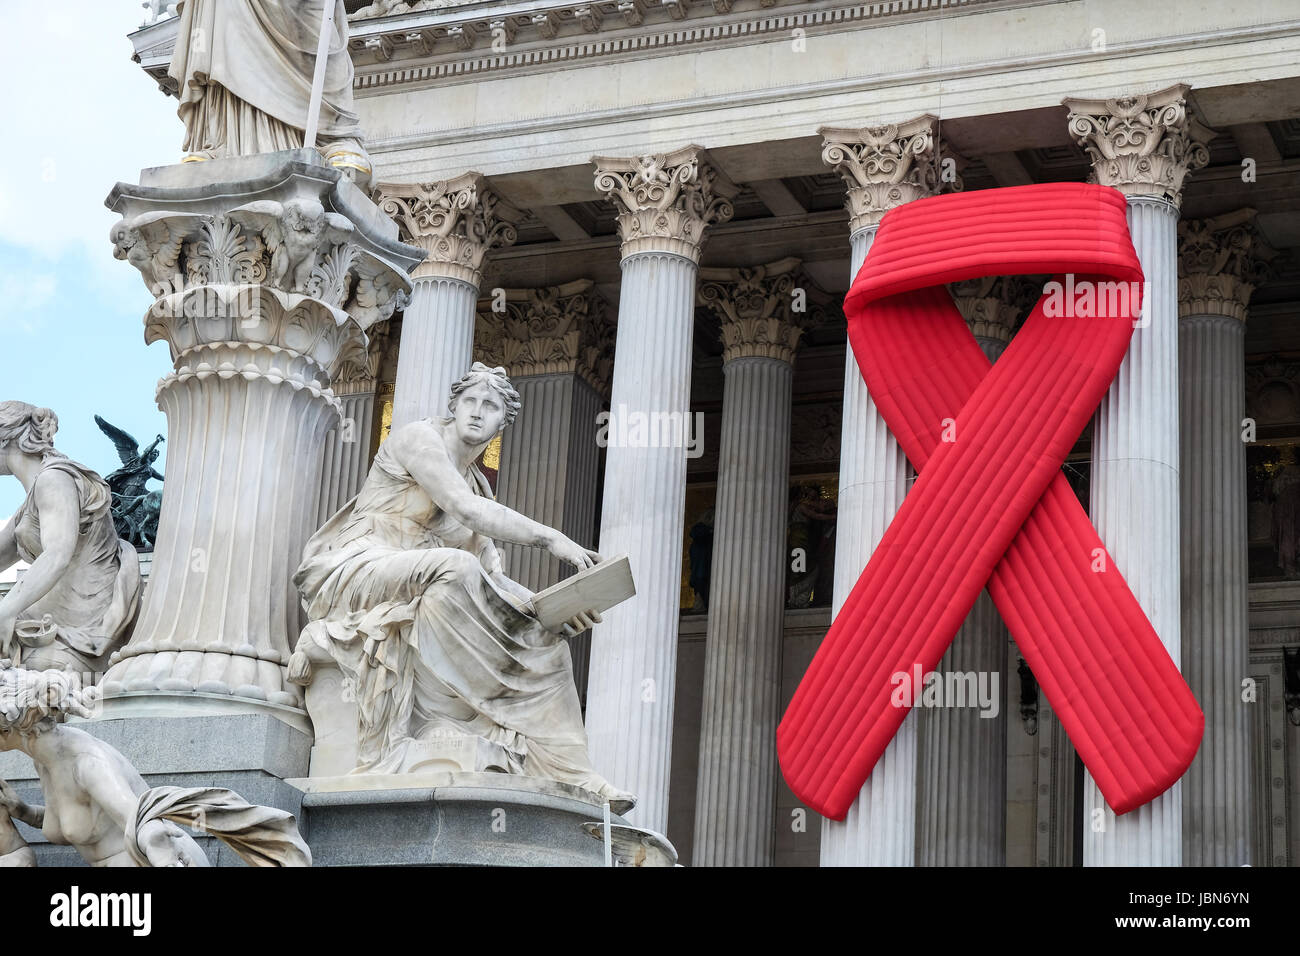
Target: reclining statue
405, 593
96, 801
76, 603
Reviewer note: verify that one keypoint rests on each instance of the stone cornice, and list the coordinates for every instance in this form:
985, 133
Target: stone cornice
1220, 261
885, 166
1144, 144
665, 201
566, 329
756, 307
452, 39
456, 221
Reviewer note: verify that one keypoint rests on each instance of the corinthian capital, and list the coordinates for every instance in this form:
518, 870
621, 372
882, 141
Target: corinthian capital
885, 166
761, 308
1220, 261
665, 201
555, 329
992, 305
1143, 145
456, 221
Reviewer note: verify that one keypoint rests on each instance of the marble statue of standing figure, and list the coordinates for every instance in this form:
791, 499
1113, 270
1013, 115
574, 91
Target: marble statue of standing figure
244, 72
405, 592
97, 802
77, 601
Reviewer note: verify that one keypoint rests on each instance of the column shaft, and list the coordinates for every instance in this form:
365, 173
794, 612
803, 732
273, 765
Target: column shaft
736, 790
549, 461
437, 346
634, 652
880, 828
550, 466
1218, 804
347, 452
1135, 510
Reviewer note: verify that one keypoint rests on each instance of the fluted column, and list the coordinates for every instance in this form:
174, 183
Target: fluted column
257, 332
736, 786
883, 167
1144, 146
1219, 263
457, 222
963, 752
347, 446
557, 344
665, 204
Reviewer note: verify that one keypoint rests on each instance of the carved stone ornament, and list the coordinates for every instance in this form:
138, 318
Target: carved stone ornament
266, 272
552, 329
992, 305
665, 201
1220, 262
886, 166
756, 306
1142, 145
455, 221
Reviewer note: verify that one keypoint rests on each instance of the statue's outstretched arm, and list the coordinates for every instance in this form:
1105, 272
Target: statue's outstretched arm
420, 451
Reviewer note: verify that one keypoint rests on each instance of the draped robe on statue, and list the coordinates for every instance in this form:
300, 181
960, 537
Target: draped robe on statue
92, 606
398, 597
244, 71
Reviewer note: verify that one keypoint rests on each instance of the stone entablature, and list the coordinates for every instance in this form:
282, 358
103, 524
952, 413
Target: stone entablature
401, 43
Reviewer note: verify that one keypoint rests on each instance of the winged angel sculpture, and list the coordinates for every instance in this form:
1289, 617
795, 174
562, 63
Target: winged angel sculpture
135, 507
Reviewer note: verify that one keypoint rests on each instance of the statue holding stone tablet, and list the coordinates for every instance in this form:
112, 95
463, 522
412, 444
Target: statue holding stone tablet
406, 595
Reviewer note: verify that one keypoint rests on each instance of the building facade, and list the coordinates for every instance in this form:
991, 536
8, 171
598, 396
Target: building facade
649, 211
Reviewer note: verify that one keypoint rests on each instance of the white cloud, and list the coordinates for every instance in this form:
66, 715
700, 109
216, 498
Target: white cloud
80, 115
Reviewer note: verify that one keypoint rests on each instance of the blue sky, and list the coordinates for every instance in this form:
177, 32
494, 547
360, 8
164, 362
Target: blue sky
80, 116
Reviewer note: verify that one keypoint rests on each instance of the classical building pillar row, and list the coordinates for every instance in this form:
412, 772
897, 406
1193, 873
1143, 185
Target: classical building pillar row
1144, 146
666, 202
961, 813
1220, 261
883, 167
257, 339
557, 344
736, 786
347, 446
457, 222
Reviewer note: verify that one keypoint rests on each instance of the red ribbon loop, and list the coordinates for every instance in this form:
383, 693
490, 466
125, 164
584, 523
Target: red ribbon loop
991, 506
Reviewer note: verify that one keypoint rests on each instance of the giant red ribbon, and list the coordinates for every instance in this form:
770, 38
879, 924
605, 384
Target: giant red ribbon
992, 507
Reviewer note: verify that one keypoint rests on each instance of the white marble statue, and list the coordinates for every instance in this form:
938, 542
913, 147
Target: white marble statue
244, 74
98, 803
405, 592
76, 603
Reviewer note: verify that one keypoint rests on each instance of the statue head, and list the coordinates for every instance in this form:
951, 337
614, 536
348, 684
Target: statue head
28, 428
32, 702
483, 403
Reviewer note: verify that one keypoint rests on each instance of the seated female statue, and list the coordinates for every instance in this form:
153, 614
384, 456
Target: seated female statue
405, 591
77, 601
